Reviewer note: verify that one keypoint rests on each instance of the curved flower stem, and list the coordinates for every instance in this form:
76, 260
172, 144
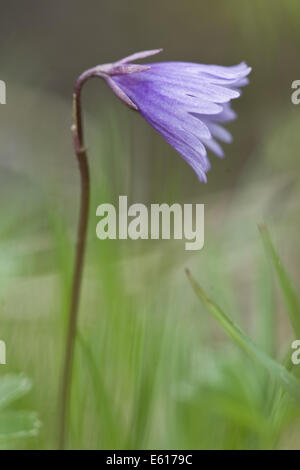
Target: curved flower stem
81, 156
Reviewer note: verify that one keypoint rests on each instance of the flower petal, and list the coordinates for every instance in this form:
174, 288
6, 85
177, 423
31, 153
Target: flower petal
191, 86
141, 89
219, 132
216, 148
184, 102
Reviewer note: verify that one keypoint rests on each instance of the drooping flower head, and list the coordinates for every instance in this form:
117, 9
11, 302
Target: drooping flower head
186, 103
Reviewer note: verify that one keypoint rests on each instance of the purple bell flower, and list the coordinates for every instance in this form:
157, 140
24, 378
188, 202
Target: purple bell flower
186, 103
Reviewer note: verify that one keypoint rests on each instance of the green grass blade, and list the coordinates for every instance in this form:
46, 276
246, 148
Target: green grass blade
287, 381
265, 321
290, 294
105, 407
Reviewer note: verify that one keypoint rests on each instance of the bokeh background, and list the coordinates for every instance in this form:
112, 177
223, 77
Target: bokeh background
152, 369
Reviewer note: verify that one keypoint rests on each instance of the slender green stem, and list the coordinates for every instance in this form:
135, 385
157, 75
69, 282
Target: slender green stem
81, 156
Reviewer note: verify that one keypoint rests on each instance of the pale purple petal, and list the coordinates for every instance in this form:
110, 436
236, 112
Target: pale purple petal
184, 102
219, 132
215, 147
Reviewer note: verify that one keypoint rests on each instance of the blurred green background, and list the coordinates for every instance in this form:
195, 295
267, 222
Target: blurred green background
152, 369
